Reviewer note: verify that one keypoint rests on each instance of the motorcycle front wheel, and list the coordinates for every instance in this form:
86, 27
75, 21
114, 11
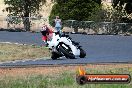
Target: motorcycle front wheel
66, 52
55, 55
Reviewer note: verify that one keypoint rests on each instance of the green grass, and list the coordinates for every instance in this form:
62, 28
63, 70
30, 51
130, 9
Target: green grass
11, 52
63, 80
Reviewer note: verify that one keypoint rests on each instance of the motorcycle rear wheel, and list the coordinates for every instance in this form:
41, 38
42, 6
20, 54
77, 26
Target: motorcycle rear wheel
82, 53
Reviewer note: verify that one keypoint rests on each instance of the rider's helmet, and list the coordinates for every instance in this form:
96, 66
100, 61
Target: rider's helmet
44, 30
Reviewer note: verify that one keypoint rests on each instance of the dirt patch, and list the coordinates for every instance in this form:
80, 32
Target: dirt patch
56, 70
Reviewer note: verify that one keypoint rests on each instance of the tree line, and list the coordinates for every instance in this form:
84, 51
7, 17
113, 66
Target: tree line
80, 10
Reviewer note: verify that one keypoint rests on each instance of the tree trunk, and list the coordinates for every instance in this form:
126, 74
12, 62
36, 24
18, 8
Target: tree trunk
76, 30
26, 23
26, 20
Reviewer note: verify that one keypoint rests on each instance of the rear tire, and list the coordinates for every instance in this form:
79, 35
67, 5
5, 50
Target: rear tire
66, 53
82, 53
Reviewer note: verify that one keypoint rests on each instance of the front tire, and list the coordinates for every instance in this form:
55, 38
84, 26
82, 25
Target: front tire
66, 53
54, 56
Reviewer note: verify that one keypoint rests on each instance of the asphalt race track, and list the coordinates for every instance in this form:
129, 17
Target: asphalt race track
99, 48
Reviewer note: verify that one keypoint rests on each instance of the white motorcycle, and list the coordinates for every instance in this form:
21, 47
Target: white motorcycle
64, 46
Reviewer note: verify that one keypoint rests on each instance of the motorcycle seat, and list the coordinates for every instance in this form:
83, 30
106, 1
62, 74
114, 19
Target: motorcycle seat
76, 43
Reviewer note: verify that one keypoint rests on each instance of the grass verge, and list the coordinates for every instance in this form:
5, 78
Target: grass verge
59, 77
11, 52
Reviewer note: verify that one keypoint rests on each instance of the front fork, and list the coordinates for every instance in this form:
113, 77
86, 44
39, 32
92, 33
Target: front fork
56, 50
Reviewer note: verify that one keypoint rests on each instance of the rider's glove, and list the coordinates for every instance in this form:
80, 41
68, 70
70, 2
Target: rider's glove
46, 44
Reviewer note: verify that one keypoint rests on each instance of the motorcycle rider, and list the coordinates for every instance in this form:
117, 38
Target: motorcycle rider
68, 49
47, 33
